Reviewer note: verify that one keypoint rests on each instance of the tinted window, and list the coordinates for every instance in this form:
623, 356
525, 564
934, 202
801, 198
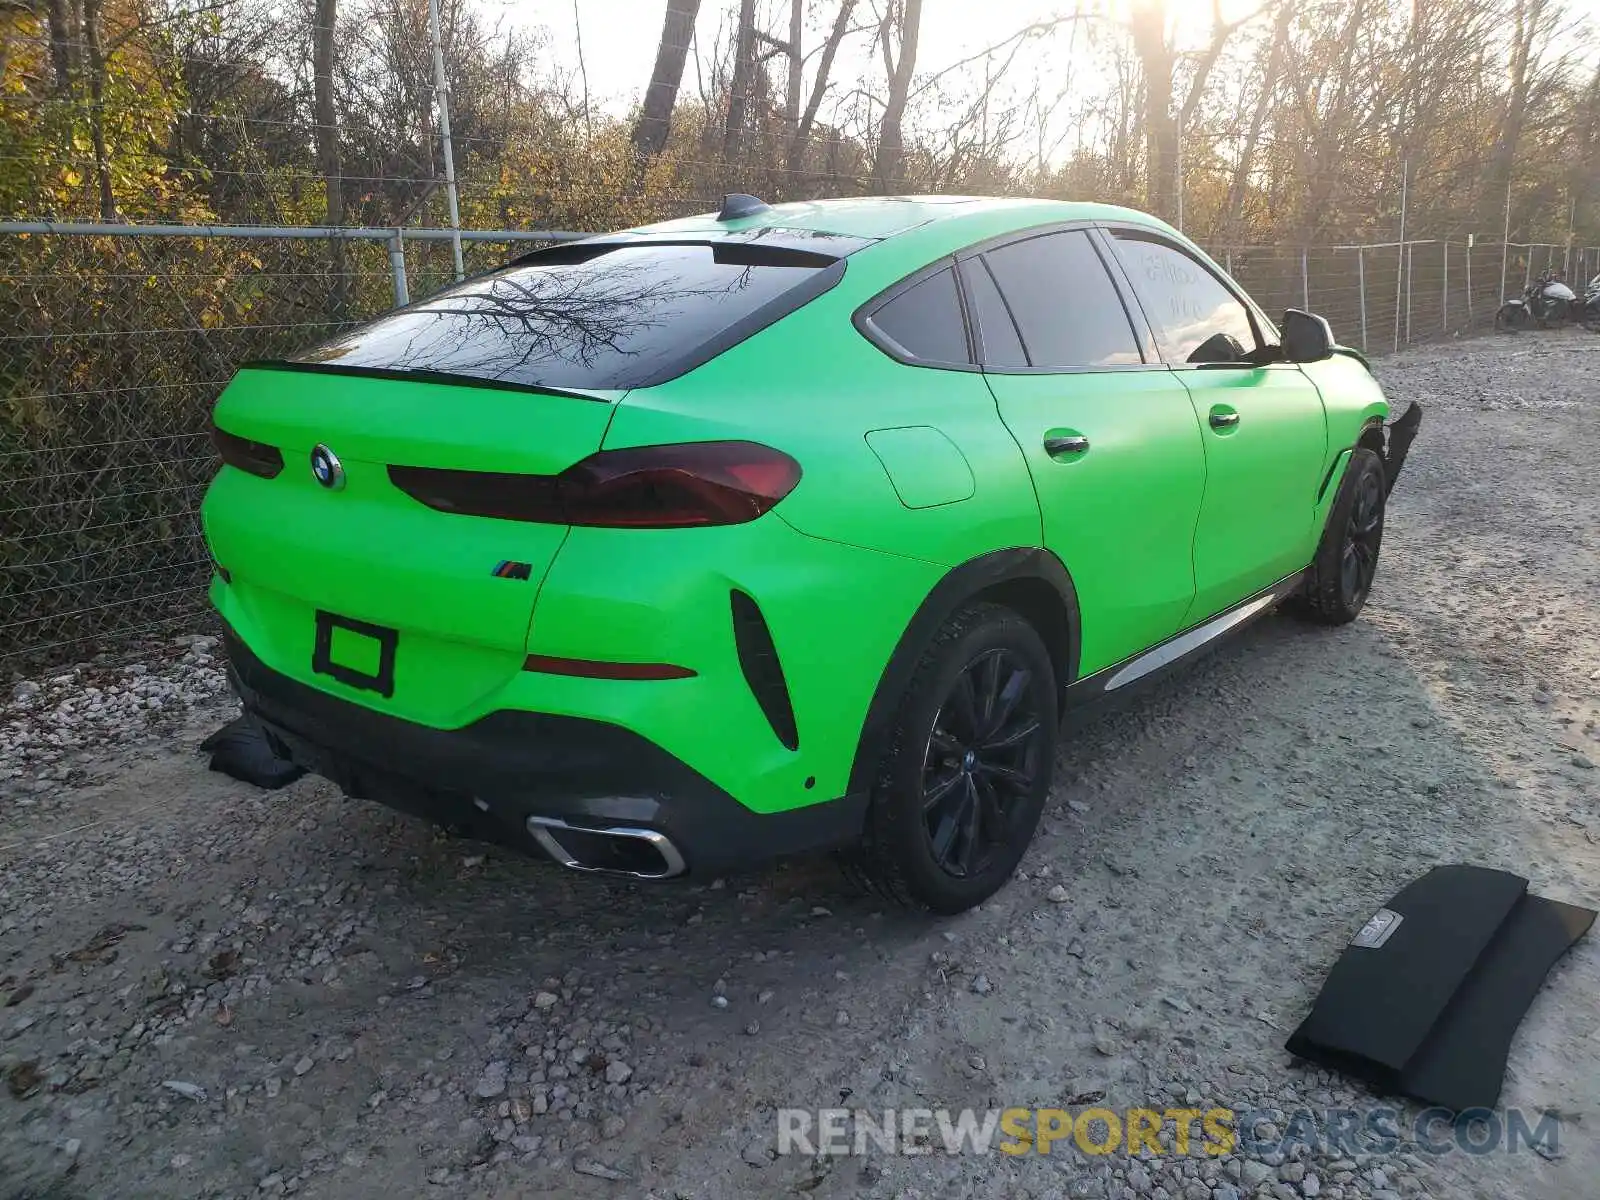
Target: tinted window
925, 321
1065, 304
1187, 306
586, 317
1001, 345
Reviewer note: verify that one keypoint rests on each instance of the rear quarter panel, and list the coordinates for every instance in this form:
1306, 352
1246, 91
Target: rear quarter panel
813, 386
840, 566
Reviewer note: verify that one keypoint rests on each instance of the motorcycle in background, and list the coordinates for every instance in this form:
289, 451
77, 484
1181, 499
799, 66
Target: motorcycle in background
1546, 302
1589, 306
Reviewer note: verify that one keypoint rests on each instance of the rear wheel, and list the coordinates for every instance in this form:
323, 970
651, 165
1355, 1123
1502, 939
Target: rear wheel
1340, 576
960, 790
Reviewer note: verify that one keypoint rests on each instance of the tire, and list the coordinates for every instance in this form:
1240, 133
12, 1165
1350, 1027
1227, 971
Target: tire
1339, 579
1511, 319
991, 771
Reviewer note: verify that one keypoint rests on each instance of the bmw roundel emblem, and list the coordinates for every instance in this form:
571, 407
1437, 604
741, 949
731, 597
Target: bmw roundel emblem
326, 467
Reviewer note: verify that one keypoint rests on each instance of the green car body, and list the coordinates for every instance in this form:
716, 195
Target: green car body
732, 686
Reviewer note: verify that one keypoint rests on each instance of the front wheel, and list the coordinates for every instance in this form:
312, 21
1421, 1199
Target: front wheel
1511, 318
968, 769
1340, 576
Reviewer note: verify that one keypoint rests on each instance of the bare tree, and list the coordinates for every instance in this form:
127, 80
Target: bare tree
95, 60
327, 138
819, 86
744, 68
1532, 28
1229, 218
797, 66
65, 19
900, 70
655, 117
1163, 126
1333, 97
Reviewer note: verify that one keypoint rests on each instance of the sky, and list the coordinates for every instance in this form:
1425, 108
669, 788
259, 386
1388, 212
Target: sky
620, 36
619, 39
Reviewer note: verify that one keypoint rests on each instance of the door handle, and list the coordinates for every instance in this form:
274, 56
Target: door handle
1224, 420
1076, 444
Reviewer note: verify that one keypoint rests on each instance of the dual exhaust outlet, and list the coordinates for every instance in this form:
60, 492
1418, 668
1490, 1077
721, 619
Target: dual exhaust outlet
612, 850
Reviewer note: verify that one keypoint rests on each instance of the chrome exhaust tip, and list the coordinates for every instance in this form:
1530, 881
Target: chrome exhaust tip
609, 850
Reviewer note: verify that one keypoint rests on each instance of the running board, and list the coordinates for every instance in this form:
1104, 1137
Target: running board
1119, 678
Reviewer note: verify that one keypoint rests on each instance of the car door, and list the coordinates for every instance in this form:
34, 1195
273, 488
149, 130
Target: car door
1109, 435
1262, 422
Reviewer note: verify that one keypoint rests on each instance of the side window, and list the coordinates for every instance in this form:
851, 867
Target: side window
925, 321
1066, 307
1002, 345
1195, 318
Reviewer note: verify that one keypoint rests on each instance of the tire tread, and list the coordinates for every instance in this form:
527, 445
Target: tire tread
873, 864
1318, 600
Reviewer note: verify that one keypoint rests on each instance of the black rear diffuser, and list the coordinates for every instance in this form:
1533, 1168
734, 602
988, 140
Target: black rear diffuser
1425, 999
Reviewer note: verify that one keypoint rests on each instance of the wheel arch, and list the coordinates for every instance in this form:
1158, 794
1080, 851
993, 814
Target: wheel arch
1372, 436
1369, 438
1032, 582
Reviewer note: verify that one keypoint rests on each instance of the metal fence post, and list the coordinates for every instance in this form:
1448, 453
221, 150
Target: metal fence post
1361, 284
1305, 281
397, 268
1400, 253
1469, 280
1444, 301
1505, 247
1409, 276
442, 89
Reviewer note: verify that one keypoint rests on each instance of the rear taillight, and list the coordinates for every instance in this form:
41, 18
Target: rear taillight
645, 487
256, 457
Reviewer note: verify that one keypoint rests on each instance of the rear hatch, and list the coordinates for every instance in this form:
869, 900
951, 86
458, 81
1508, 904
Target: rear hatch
358, 586
456, 592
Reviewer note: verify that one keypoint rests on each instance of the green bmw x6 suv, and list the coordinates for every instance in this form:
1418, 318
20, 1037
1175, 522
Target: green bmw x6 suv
781, 528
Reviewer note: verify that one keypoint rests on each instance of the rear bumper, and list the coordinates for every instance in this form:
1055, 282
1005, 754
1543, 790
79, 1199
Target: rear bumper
488, 778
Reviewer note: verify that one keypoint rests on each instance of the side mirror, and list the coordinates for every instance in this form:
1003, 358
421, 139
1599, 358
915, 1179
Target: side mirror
1306, 337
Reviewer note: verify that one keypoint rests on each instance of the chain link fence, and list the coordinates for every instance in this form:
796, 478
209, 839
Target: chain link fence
113, 349
114, 346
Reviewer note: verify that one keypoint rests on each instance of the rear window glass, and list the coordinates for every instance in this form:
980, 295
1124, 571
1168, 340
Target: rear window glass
628, 316
925, 321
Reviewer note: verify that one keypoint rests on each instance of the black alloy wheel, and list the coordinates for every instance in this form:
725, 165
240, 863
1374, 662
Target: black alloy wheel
969, 762
981, 763
1339, 579
1364, 531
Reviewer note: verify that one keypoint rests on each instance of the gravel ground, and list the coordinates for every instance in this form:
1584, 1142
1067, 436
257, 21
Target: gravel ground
211, 990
